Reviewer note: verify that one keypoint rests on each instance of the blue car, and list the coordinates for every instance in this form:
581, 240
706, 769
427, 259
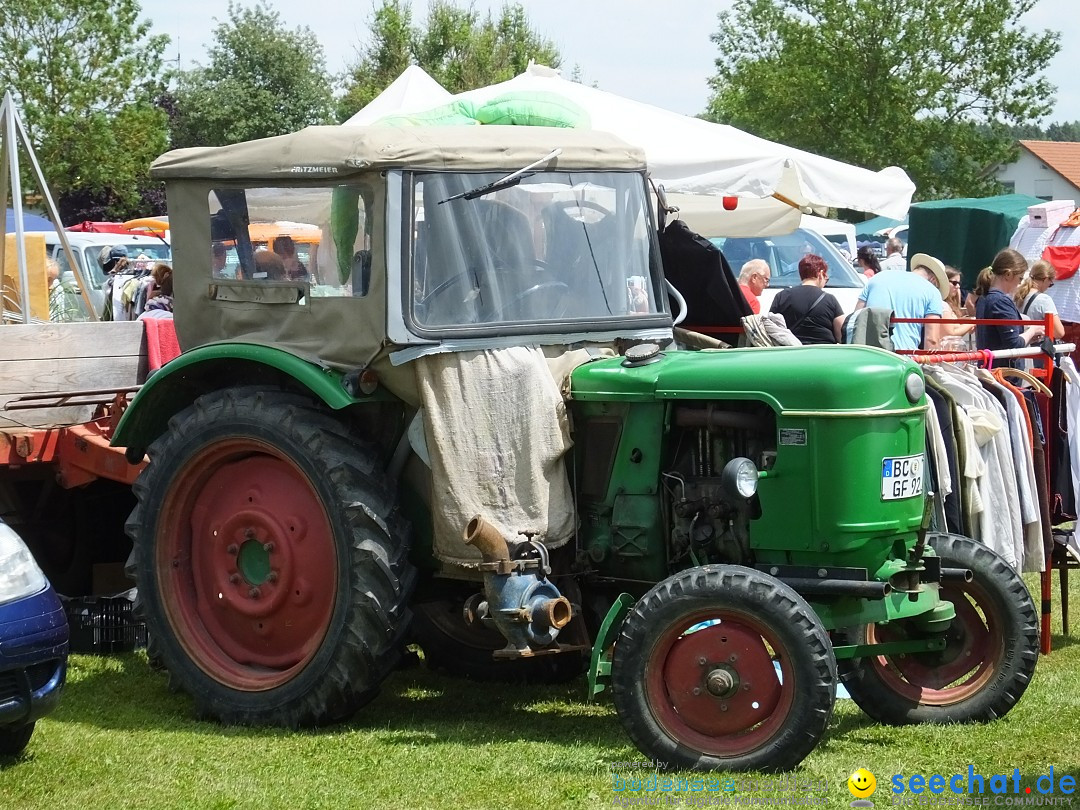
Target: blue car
33, 644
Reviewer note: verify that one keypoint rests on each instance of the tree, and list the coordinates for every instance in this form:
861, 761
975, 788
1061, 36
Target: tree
84, 75
1065, 131
454, 45
261, 80
928, 85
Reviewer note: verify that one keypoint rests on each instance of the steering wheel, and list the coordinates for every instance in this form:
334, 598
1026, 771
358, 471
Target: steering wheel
544, 286
442, 288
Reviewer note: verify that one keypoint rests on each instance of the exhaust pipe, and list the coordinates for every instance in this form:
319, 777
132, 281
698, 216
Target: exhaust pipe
861, 589
956, 575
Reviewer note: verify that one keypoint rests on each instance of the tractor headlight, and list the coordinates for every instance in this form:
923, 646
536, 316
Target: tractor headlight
19, 574
914, 387
739, 478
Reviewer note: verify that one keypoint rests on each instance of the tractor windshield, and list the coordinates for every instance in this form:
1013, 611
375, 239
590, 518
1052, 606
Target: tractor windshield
552, 246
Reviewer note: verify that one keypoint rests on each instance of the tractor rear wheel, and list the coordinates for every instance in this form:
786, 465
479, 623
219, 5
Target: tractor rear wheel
991, 649
270, 560
723, 668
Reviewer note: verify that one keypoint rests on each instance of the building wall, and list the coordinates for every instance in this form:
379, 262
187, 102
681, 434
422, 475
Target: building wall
1029, 175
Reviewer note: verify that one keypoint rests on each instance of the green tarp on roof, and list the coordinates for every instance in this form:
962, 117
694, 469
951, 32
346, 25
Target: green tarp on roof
966, 232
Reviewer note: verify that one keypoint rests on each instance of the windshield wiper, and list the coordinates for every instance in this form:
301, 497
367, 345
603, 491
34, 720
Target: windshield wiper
509, 181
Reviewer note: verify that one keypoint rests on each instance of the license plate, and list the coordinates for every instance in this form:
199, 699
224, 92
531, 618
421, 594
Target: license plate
901, 477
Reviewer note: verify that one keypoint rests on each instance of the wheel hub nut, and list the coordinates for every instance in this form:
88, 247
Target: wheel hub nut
721, 682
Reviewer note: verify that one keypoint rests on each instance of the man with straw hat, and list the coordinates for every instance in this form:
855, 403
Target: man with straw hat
918, 294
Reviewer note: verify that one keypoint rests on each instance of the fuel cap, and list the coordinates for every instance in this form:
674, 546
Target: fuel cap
641, 355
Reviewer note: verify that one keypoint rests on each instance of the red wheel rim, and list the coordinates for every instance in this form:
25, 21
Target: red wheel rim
715, 688
245, 555
974, 649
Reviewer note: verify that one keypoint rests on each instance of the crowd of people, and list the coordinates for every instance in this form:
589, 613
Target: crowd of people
927, 290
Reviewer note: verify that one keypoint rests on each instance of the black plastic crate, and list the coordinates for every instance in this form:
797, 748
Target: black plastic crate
103, 624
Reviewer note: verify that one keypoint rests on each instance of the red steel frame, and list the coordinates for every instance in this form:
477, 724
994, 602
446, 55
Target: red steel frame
81, 453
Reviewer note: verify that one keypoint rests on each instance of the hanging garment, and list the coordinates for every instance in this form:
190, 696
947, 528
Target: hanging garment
119, 307
1072, 405
969, 460
935, 448
1042, 480
1000, 526
953, 518
1020, 443
1063, 502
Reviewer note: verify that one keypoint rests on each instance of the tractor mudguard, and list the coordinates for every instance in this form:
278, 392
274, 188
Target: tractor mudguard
220, 365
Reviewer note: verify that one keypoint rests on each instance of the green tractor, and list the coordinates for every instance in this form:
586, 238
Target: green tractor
465, 419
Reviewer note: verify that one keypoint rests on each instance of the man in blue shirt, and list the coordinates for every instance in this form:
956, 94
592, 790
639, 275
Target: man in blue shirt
918, 294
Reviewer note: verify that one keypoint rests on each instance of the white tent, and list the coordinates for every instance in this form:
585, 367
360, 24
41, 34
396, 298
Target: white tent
412, 91
691, 157
750, 217
699, 157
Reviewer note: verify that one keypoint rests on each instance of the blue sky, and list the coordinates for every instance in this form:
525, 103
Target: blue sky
658, 53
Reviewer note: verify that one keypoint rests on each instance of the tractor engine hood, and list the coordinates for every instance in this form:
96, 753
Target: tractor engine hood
792, 378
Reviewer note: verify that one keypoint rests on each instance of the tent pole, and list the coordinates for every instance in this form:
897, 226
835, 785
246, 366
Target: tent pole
776, 195
76, 268
4, 139
8, 110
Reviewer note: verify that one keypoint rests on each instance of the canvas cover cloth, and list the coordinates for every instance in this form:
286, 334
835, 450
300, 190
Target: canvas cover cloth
344, 332
497, 435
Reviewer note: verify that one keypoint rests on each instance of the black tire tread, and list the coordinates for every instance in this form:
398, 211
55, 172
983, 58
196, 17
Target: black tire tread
371, 640
735, 586
885, 706
13, 741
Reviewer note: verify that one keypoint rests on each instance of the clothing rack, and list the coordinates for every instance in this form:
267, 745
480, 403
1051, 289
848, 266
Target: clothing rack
1043, 372
985, 357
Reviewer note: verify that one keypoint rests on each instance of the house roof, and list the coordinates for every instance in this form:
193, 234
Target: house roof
1061, 156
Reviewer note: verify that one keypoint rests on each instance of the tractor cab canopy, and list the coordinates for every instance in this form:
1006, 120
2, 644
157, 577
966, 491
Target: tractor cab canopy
428, 239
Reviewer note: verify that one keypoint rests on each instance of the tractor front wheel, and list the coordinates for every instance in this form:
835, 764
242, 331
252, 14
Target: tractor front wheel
270, 560
990, 648
722, 667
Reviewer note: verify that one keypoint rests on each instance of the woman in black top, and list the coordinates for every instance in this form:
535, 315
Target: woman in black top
1007, 268
808, 310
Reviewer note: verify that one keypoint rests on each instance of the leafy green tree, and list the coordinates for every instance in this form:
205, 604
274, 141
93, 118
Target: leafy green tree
931, 86
262, 80
1065, 131
84, 75
456, 46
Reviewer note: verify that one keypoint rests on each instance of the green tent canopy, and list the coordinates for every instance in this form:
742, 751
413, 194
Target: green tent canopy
966, 232
867, 229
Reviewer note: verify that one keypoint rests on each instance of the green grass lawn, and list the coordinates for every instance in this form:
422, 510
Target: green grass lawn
121, 739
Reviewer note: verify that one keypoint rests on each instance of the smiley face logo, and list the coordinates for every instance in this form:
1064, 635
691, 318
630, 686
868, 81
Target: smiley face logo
861, 783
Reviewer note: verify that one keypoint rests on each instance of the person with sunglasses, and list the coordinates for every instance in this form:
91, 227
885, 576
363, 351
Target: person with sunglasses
753, 279
1031, 297
955, 336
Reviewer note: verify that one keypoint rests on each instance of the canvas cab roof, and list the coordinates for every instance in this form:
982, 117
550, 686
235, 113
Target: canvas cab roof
321, 152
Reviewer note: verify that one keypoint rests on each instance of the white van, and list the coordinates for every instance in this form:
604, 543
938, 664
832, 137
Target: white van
87, 247
841, 234
783, 252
